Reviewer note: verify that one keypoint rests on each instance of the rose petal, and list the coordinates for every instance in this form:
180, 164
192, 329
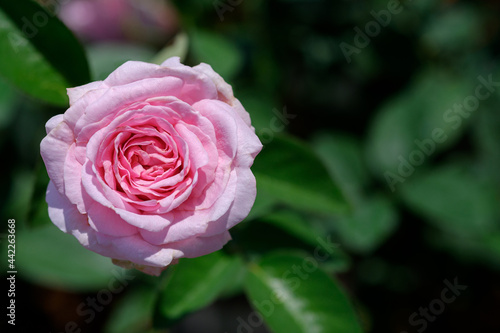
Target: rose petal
53, 149
77, 93
73, 179
62, 212
225, 92
53, 122
200, 246
106, 221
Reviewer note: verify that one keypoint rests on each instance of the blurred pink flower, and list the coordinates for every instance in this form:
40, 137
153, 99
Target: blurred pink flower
149, 21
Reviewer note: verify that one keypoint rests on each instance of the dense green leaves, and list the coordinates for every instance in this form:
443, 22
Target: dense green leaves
195, 283
39, 54
288, 169
294, 296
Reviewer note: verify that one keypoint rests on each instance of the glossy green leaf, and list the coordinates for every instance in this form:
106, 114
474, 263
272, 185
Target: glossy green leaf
454, 200
294, 296
178, 48
49, 257
185, 291
288, 170
39, 54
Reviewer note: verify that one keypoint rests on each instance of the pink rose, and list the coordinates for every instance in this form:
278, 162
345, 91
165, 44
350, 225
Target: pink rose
151, 164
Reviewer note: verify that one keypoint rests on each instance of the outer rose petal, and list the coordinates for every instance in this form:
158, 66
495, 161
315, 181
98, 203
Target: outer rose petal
53, 149
225, 91
53, 122
61, 212
76, 93
73, 179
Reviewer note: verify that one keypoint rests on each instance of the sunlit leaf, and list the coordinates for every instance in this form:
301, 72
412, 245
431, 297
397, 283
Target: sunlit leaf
294, 296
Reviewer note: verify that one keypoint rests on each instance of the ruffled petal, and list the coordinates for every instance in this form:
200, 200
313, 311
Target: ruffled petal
225, 91
62, 212
54, 148
76, 93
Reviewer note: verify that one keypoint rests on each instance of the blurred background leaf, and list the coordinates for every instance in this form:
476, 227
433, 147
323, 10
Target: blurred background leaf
33, 58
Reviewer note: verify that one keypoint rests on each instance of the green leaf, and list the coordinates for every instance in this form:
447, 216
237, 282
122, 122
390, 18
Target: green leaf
104, 58
457, 29
7, 101
217, 51
133, 313
487, 141
484, 249
368, 227
260, 107
343, 158
49, 257
288, 170
294, 296
454, 200
186, 290
296, 225
21, 195
264, 203
418, 123
178, 48
39, 54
